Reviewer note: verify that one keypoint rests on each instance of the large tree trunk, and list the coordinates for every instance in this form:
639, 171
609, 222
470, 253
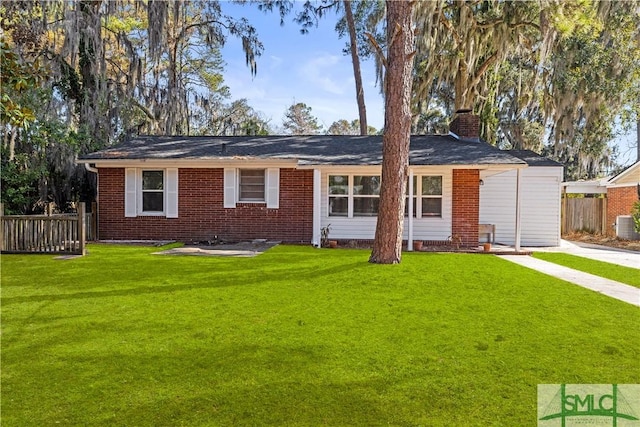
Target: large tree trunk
387, 246
357, 74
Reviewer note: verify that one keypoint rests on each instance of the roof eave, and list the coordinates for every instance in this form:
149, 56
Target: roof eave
624, 173
189, 162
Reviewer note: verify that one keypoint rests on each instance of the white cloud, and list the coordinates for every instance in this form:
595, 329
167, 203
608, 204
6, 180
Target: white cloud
326, 72
274, 62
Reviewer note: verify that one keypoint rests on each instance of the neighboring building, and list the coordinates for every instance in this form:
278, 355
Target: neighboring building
621, 193
289, 187
623, 190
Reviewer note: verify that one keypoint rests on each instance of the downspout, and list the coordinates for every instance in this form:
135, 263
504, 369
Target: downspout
317, 207
410, 213
518, 208
95, 214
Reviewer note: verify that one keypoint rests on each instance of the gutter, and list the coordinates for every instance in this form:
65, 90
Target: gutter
90, 168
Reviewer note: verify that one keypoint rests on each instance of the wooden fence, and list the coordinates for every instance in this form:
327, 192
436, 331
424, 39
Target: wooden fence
584, 214
64, 234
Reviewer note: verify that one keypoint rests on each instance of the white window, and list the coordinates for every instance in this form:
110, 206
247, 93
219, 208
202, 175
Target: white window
415, 199
429, 203
354, 195
252, 186
366, 195
151, 192
338, 195
431, 196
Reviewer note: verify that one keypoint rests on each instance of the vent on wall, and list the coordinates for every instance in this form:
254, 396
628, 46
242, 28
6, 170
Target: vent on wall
624, 228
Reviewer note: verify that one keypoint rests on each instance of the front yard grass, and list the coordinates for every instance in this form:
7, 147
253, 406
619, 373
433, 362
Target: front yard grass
619, 273
297, 336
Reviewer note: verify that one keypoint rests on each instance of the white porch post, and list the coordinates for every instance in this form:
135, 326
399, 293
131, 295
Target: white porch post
518, 208
317, 206
410, 211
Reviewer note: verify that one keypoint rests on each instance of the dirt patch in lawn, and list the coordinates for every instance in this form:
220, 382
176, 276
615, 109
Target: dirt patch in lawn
238, 249
599, 239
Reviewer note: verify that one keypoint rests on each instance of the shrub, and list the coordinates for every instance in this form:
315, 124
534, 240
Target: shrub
635, 214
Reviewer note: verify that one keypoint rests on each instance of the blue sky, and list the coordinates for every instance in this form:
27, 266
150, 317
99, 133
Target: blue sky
312, 68
294, 67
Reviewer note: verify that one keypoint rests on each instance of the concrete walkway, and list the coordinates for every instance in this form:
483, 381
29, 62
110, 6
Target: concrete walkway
597, 252
617, 290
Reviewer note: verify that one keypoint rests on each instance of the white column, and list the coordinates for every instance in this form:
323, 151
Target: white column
410, 211
518, 208
317, 207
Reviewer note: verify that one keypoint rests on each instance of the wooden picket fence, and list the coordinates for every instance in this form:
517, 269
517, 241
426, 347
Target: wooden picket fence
63, 233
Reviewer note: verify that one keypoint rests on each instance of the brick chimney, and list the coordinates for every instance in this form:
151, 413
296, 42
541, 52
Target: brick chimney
466, 125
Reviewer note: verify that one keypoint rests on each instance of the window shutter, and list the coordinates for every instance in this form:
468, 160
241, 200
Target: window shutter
229, 188
130, 193
172, 192
272, 188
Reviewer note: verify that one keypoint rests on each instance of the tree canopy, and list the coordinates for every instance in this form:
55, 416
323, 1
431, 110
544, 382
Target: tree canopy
560, 78
298, 120
81, 75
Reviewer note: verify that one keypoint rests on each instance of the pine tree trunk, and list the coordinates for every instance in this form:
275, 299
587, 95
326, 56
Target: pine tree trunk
357, 74
387, 246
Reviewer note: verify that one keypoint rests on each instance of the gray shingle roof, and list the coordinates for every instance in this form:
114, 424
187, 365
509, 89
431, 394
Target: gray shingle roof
532, 158
307, 150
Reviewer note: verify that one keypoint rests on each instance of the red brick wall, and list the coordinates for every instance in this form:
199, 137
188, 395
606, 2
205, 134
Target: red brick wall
201, 215
466, 125
620, 201
466, 205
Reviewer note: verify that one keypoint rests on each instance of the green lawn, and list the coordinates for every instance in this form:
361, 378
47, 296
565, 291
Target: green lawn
297, 336
628, 275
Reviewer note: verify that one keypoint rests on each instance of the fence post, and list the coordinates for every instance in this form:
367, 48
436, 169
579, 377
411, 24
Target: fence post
1, 227
82, 227
94, 221
603, 213
563, 212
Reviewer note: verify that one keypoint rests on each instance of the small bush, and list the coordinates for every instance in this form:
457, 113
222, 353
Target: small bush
635, 213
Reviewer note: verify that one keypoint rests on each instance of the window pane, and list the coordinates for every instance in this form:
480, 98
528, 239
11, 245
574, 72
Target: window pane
432, 186
152, 180
248, 194
152, 201
406, 205
338, 206
366, 185
415, 185
365, 206
338, 184
431, 206
252, 185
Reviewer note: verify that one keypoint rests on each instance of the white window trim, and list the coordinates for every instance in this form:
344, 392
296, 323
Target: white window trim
420, 196
232, 188
141, 191
133, 193
239, 191
350, 195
